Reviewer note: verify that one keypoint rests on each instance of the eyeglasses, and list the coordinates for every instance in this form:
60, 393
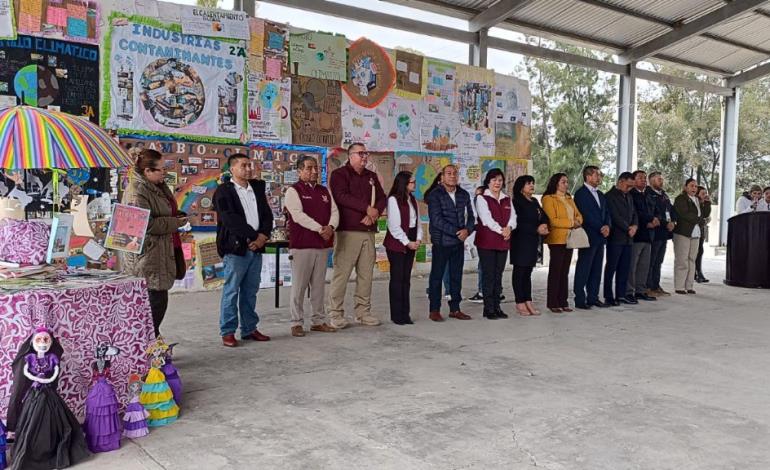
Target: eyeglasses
412, 181
361, 154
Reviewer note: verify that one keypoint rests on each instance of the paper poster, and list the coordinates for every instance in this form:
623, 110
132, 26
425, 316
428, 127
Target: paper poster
268, 48
276, 165
59, 241
409, 74
74, 20
381, 163
513, 139
211, 264
439, 125
267, 279
163, 82
371, 75
425, 166
7, 26
268, 108
365, 125
403, 123
474, 104
315, 112
128, 226
515, 167
512, 109
49, 73
196, 169
214, 23
438, 131
319, 55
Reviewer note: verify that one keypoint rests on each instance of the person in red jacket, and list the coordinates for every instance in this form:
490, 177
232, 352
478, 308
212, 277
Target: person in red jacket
361, 201
312, 219
496, 221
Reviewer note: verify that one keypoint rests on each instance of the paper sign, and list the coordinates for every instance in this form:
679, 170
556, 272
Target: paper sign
7, 31
79, 210
401, 66
187, 250
56, 16
273, 68
93, 250
76, 11
128, 227
77, 28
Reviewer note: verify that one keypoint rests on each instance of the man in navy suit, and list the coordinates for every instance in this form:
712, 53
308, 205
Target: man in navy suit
596, 221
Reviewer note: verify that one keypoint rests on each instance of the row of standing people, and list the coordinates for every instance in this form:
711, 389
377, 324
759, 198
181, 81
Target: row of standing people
344, 217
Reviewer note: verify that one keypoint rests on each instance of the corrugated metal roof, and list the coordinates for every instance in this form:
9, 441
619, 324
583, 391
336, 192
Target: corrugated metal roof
729, 47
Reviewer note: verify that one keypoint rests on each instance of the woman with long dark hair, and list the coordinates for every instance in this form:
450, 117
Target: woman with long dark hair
496, 219
401, 243
531, 225
563, 216
161, 260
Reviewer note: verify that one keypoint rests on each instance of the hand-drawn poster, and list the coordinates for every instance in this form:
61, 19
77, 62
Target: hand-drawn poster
403, 123
212, 266
128, 227
7, 24
167, 83
53, 74
193, 171
365, 125
409, 74
276, 165
512, 108
425, 166
269, 105
315, 112
214, 23
515, 167
439, 125
75, 20
319, 55
469, 169
475, 91
371, 75
269, 48
381, 163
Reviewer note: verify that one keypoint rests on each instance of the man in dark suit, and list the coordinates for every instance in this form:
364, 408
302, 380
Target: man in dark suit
592, 204
663, 232
649, 220
451, 222
622, 231
244, 223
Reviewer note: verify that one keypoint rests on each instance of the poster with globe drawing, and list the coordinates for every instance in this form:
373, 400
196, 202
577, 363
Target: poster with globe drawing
424, 166
366, 125
162, 82
403, 123
32, 73
269, 105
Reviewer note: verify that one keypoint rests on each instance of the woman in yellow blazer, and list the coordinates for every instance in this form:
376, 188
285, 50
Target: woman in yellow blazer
563, 215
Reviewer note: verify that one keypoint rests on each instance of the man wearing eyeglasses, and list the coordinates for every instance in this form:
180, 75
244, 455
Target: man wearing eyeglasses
360, 201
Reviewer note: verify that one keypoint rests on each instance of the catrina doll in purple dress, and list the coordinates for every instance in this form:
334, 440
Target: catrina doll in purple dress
135, 419
3, 445
171, 373
48, 436
102, 425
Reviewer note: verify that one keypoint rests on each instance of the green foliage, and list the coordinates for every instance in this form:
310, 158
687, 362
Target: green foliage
207, 3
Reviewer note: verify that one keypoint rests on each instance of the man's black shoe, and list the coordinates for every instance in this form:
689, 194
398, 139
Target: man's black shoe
645, 297
628, 300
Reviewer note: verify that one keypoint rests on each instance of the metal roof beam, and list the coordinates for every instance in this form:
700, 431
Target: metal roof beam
690, 29
495, 14
749, 75
380, 19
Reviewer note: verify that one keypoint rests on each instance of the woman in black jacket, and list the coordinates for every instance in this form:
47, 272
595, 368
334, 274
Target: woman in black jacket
531, 224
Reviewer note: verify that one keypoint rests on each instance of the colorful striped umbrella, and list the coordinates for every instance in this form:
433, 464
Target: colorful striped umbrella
38, 138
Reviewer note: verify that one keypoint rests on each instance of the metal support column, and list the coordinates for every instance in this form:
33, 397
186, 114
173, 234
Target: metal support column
727, 166
477, 52
248, 6
627, 158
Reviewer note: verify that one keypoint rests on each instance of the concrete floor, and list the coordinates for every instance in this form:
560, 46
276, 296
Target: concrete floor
682, 383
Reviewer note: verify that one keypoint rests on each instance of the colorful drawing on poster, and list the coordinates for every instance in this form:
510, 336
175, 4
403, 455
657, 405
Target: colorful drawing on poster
425, 166
74, 20
403, 123
370, 73
381, 163
469, 170
49, 73
515, 167
214, 23
438, 131
409, 74
318, 55
315, 112
7, 22
513, 139
198, 91
276, 165
474, 105
269, 104
211, 265
268, 48
439, 126
366, 125
512, 109
128, 227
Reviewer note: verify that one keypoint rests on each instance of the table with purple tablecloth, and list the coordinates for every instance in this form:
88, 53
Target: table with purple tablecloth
82, 314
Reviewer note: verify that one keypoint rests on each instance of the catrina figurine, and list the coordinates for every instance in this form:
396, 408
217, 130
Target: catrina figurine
135, 419
156, 395
102, 425
3, 447
48, 436
172, 374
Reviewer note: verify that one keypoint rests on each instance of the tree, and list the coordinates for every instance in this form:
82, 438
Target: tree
208, 3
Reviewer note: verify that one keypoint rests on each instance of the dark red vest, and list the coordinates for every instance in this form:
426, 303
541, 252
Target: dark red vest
390, 241
501, 213
316, 203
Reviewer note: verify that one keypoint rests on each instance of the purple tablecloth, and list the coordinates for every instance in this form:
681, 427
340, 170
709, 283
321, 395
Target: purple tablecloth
115, 312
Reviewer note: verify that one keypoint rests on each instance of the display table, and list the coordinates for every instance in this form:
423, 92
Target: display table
748, 250
82, 313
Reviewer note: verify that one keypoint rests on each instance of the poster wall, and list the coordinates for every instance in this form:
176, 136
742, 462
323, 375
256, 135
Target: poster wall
166, 83
269, 107
75, 20
49, 73
268, 48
